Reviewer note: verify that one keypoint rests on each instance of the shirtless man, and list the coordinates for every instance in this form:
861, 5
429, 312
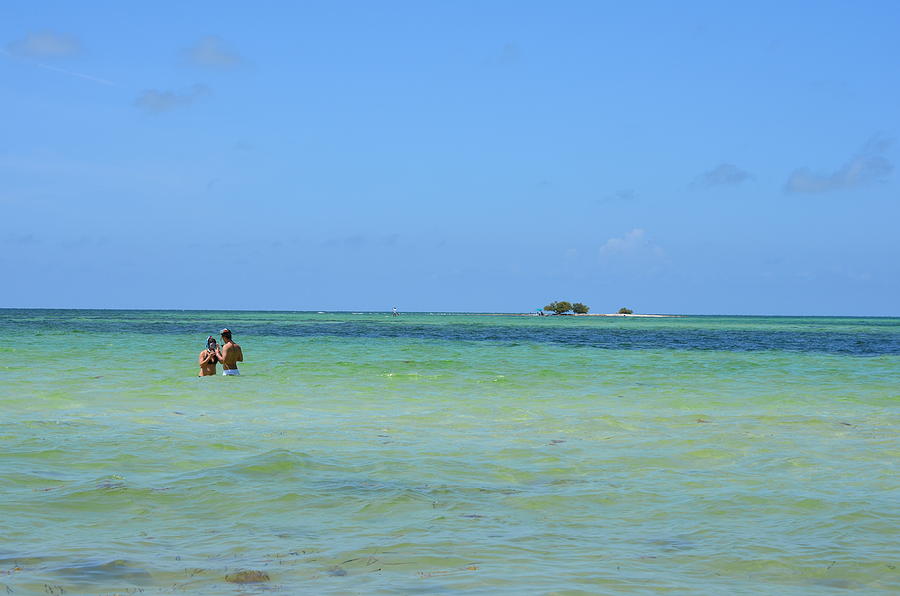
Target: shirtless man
229, 354
208, 358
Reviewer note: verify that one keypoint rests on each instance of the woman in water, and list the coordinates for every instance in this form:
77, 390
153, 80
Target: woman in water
208, 358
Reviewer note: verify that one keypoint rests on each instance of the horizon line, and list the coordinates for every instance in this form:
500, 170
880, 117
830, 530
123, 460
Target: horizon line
456, 312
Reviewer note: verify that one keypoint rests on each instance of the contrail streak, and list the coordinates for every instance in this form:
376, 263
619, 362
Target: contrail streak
77, 74
71, 73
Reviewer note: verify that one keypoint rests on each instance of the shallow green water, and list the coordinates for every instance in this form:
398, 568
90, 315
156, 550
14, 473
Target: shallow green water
361, 453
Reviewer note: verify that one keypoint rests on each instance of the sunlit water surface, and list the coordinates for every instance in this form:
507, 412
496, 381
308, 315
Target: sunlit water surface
429, 453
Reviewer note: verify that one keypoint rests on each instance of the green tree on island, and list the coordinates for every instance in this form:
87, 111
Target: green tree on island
625, 311
580, 309
559, 307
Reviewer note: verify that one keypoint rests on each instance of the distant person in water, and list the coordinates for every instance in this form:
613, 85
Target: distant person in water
208, 358
395, 313
229, 354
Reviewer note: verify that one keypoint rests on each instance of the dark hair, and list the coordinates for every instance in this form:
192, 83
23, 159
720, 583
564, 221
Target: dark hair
226, 334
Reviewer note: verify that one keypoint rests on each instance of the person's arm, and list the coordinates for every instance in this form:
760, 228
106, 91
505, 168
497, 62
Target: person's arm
240, 354
221, 351
204, 357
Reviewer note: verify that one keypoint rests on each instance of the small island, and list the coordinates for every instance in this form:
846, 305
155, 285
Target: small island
574, 309
563, 307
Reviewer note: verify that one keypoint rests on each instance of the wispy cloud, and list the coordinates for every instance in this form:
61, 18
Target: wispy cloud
155, 101
724, 174
625, 195
212, 52
45, 44
20, 239
869, 165
362, 241
634, 244
509, 54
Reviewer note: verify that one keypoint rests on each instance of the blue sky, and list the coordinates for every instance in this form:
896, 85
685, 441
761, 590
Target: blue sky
700, 157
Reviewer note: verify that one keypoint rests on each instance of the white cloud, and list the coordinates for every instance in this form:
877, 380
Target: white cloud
156, 102
632, 246
212, 52
867, 166
45, 44
627, 243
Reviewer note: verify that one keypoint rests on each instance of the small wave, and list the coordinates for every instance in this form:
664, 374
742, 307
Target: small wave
97, 573
275, 463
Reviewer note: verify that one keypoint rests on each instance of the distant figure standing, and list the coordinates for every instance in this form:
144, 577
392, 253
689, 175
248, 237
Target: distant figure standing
208, 358
229, 354
395, 313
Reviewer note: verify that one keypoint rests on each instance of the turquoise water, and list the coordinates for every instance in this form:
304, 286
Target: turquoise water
361, 453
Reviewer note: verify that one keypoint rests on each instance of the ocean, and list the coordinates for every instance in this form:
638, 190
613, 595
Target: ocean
442, 453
